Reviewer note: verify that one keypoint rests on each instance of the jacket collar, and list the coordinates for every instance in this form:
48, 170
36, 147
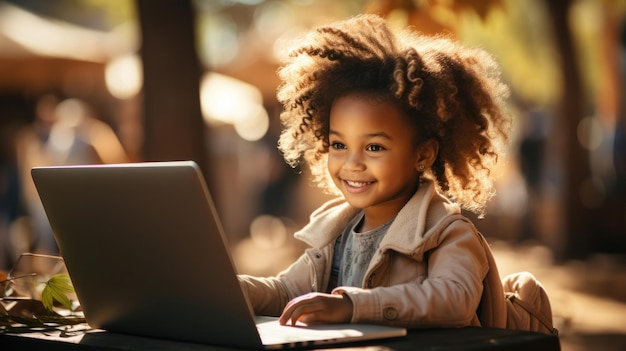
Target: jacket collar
415, 222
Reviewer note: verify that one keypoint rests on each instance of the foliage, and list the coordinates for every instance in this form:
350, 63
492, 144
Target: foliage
17, 313
56, 289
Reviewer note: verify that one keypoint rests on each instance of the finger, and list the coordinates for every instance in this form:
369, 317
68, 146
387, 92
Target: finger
297, 311
287, 315
291, 306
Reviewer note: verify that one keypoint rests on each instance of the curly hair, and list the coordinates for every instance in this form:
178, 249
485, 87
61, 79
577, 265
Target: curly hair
450, 93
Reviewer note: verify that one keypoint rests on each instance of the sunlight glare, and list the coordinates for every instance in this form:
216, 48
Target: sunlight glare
123, 76
226, 100
268, 232
53, 38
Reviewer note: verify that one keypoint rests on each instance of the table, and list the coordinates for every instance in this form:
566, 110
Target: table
81, 337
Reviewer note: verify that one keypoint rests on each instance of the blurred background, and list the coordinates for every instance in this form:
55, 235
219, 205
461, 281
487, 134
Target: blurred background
109, 81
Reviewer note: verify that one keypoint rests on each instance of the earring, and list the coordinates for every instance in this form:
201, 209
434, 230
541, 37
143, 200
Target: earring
421, 167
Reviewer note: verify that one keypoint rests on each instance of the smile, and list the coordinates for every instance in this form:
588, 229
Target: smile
356, 186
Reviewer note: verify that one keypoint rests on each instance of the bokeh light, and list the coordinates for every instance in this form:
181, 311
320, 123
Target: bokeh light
226, 100
123, 76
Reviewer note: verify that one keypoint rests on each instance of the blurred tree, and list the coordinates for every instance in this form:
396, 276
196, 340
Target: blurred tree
173, 125
572, 108
432, 17
607, 157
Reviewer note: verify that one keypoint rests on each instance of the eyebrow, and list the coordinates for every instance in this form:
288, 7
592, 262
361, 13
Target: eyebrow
370, 135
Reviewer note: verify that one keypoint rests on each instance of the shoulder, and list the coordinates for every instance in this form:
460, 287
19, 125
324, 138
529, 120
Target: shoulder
443, 216
332, 205
425, 215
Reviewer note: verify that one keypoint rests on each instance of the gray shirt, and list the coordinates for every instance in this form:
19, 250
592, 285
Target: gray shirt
357, 249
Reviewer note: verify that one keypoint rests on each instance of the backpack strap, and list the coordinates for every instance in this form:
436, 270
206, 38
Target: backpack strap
515, 299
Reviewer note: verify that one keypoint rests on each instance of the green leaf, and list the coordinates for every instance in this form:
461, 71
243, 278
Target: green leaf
56, 289
46, 299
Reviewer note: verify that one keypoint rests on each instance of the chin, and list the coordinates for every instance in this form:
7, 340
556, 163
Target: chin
356, 202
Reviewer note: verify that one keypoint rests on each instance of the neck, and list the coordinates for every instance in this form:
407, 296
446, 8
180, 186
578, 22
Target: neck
375, 216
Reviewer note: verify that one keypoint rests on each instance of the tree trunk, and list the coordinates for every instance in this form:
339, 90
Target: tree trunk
172, 119
576, 231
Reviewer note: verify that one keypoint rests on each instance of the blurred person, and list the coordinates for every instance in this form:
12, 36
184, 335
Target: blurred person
9, 195
405, 129
532, 151
281, 181
63, 133
31, 231
78, 137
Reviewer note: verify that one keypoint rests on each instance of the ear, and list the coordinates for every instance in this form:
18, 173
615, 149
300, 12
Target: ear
426, 154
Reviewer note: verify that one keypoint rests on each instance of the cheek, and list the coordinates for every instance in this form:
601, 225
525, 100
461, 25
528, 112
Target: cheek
395, 171
333, 164
385, 165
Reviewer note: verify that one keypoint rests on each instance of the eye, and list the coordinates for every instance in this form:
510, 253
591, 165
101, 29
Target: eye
337, 145
375, 148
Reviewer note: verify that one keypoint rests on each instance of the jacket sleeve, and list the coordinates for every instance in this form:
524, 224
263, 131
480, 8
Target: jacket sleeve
269, 295
266, 295
310, 272
446, 295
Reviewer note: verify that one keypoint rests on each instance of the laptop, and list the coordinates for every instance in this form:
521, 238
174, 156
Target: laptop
147, 256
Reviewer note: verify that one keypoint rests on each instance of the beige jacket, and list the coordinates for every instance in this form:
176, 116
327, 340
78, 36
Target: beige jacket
433, 269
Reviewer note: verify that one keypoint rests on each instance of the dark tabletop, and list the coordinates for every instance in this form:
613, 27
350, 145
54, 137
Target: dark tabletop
470, 338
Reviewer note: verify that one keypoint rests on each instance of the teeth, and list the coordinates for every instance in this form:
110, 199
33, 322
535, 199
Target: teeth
356, 184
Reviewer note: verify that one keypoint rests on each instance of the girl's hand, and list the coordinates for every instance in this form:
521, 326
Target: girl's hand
317, 308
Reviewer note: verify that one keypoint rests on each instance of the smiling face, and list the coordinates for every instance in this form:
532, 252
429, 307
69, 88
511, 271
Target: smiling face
372, 157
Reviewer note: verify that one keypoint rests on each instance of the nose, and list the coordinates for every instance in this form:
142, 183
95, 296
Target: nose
354, 162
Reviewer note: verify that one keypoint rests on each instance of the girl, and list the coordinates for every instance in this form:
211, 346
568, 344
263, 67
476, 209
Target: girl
406, 128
